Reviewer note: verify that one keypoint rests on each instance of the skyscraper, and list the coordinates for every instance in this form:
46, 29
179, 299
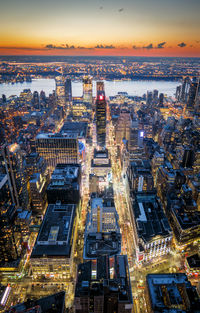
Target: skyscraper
185, 89
8, 249
161, 99
149, 97
100, 86
101, 118
68, 90
123, 127
14, 164
87, 89
192, 95
60, 90
155, 95
36, 100
57, 148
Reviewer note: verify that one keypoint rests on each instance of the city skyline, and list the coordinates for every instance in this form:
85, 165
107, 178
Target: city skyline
132, 28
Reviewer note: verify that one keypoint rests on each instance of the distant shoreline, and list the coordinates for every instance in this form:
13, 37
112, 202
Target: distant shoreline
26, 59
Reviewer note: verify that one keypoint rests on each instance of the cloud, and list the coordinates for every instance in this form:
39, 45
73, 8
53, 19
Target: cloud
161, 45
150, 46
65, 47
182, 45
68, 47
81, 47
121, 10
50, 46
104, 47
101, 8
62, 46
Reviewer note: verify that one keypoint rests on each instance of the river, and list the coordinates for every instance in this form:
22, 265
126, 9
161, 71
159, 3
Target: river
132, 87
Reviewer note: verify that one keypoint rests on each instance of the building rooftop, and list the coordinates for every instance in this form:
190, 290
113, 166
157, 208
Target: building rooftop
149, 217
186, 219
65, 176
54, 238
168, 293
141, 167
34, 177
194, 261
80, 128
24, 215
102, 232
56, 136
106, 275
52, 303
97, 244
101, 153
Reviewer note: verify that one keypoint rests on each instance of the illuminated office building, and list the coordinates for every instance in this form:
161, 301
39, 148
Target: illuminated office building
37, 185
68, 90
36, 100
87, 89
102, 232
14, 165
57, 148
192, 95
81, 131
149, 98
53, 253
161, 99
123, 127
185, 89
8, 247
100, 86
60, 91
101, 108
185, 221
101, 164
35, 164
140, 176
155, 95
152, 232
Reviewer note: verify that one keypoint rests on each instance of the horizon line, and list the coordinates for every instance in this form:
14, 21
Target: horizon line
97, 56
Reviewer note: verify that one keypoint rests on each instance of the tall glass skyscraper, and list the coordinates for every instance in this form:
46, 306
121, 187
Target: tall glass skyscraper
57, 148
87, 89
68, 90
101, 118
14, 164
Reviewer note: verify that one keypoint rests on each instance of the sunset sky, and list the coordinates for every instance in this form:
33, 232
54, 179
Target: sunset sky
100, 27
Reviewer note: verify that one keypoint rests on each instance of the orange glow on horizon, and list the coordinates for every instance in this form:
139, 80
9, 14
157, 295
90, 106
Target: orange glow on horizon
172, 51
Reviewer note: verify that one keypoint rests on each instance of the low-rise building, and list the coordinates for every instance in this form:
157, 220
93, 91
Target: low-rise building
185, 224
103, 285
37, 188
171, 293
153, 234
192, 264
53, 253
65, 184
102, 232
140, 176
52, 303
